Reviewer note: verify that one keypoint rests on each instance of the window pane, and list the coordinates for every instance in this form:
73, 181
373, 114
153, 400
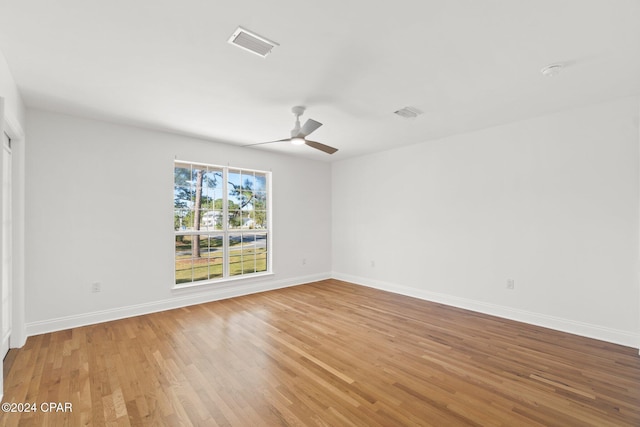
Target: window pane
235, 219
246, 192
249, 220
211, 188
241, 190
261, 182
261, 252
215, 257
182, 174
196, 172
207, 219
200, 253
234, 178
235, 254
179, 219
248, 258
260, 200
249, 253
260, 219
183, 259
250, 185
211, 220
182, 196
219, 215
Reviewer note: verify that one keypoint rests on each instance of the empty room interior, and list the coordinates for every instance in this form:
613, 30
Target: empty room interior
341, 213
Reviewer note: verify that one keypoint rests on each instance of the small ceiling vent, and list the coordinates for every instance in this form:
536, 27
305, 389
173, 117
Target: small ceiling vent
252, 42
408, 112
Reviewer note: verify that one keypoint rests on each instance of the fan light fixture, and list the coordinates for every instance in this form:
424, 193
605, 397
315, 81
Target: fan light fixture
299, 133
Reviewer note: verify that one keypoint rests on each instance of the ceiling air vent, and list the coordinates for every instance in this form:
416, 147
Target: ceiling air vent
408, 112
252, 42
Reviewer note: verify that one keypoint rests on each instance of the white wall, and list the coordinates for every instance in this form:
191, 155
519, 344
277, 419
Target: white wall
99, 209
13, 105
551, 202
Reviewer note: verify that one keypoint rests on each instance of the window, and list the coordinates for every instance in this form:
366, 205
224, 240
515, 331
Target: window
221, 222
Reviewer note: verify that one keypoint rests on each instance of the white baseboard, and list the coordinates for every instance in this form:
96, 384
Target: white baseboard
183, 298
18, 336
602, 333
194, 296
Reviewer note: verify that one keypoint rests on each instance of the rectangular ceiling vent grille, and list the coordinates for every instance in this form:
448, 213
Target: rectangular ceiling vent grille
252, 42
408, 112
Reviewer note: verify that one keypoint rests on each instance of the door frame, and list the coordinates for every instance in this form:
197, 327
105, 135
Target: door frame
6, 246
18, 325
11, 126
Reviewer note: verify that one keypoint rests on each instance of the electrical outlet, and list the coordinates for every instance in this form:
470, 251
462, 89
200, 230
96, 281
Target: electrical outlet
373, 263
304, 261
96, 287
511, 284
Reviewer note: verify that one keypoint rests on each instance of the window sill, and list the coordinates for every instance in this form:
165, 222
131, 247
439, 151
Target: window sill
208, 283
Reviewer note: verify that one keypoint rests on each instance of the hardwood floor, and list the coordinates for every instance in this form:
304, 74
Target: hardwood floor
324, 354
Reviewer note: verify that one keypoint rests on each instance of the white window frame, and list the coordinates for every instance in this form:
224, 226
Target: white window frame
226, 231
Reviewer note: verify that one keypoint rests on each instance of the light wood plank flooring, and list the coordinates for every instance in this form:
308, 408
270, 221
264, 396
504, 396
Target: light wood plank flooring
328, 353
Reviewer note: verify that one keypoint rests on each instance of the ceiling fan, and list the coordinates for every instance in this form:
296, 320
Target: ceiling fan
299, 134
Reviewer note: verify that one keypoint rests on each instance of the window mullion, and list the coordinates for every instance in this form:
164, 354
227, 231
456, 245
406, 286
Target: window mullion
225, 221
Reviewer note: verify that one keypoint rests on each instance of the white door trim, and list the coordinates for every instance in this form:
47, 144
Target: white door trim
18, 330
6, 247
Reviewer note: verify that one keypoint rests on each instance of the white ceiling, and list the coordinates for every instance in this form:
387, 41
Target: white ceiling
468, 64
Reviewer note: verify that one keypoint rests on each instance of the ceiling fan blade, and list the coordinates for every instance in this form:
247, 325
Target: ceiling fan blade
309, 126
268, 142
321, 147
